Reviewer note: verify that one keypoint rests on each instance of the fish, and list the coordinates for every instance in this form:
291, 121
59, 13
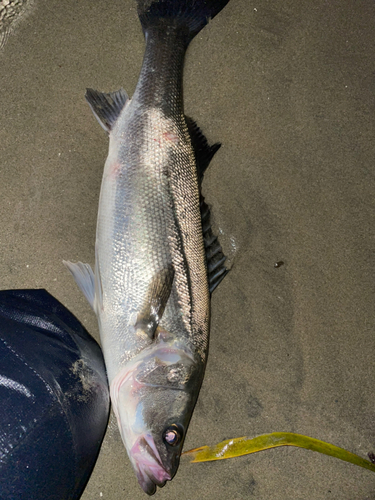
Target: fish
11, 13
157, 260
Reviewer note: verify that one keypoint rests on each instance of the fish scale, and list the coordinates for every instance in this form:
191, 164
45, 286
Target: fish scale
150, 289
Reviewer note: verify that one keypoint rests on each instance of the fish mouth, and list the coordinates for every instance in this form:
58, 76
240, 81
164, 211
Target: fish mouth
148, 466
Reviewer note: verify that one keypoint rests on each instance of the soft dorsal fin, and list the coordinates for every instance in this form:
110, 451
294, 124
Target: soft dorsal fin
215, 259
157, 297
203, 151
106, 107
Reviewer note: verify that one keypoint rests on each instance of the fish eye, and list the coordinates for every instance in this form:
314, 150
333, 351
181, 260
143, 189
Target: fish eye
173, 434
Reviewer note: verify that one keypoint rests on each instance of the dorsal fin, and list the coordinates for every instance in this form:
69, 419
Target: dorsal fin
216, 270
215, 258
106, 107
203, 152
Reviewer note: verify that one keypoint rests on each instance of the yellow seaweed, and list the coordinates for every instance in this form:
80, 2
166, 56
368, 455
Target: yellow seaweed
237, 447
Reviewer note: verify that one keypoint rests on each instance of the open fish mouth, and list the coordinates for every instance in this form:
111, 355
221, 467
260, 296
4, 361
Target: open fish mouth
148, 465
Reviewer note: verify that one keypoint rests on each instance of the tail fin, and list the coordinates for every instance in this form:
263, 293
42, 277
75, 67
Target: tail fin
192, 15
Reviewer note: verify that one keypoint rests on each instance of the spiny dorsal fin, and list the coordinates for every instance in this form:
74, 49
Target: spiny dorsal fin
216, 270
158, 294
106, 107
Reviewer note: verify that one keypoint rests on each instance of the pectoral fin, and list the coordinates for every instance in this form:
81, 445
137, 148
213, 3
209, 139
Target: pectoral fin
85, 279
156, 300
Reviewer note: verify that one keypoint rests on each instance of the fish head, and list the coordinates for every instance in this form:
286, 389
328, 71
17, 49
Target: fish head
153, 399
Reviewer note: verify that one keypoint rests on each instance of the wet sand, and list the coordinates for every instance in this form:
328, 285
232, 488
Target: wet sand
288, 88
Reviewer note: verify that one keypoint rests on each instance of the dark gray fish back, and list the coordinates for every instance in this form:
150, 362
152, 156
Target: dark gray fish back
215, 258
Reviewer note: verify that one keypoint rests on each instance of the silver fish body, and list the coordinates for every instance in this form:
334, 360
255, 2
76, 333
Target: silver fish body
150, 290
149, 222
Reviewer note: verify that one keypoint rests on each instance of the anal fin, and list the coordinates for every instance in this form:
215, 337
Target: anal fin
106, 107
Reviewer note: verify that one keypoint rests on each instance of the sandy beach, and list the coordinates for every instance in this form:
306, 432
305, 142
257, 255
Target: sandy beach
288, 89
